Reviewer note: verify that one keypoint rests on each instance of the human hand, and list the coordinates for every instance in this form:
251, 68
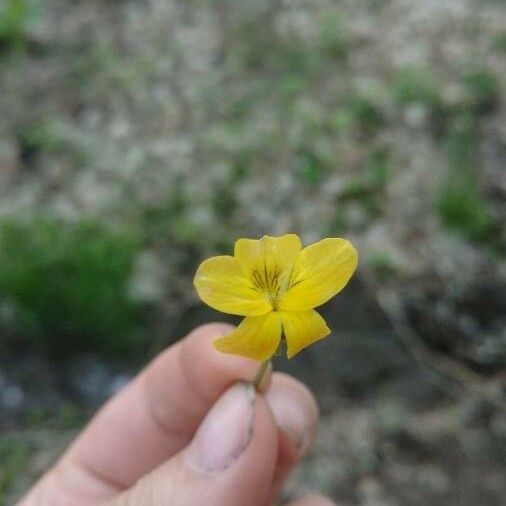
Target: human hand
188, 431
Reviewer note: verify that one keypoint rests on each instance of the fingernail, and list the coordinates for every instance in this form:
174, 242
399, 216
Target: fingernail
225, 432
295, 413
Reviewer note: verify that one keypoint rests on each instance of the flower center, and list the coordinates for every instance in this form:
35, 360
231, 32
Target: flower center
271, 280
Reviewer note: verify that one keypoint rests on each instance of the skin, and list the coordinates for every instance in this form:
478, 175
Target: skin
138, 449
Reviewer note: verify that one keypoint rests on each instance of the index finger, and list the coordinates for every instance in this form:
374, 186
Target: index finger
150, 420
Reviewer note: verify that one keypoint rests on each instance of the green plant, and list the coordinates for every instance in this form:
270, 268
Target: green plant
499, 42
382, 264
253, 42
39, 137
13, 456
482, 87
461, 208
67, 284
49, 137
158, 219
368, 191
358, 111
312, 166
224, 203
15, 18
412, 85
333, 34
362, 193
460, 205
379, 167
364, 111
291, 86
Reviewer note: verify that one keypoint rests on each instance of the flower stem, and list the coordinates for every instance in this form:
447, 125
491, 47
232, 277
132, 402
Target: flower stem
260, 374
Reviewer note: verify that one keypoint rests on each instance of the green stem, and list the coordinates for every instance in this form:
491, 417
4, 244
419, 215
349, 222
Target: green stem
260, 374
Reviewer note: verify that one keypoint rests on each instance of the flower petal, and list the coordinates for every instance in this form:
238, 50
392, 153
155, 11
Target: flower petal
222, 284
321, 271
302, 328
263, 257
256, 337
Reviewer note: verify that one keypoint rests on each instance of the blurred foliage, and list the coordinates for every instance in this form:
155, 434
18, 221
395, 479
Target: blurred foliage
333, 38
462, 208
36, 137
368, 190
15, 18
13, 456
461, 205
68, 284
483, 89
107, 68
311, 166
499, 42
382, 264
414, 85
48, 137
364, 110
61, 416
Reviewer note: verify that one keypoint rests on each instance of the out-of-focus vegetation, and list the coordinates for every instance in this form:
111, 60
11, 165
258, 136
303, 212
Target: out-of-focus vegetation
67, 285
16, 16
137, 138
14, 457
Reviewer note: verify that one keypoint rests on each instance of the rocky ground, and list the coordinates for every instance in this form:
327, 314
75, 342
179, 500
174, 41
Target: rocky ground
169, 128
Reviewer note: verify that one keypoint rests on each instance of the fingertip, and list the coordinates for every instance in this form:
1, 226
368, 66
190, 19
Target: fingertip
199, 341
195, 374
296, 414
210, 331
209, 370
230, 460
302, 390
294, 409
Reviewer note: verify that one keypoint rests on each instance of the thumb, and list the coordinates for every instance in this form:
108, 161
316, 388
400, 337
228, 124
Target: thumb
231, 459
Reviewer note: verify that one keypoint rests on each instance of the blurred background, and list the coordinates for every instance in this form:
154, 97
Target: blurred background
138, 137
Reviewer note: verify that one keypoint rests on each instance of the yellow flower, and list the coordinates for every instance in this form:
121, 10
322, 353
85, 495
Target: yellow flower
275, 284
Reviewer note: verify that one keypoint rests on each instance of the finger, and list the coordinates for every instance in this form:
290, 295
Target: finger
148, 422
296, 414
230, 461
312, 500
